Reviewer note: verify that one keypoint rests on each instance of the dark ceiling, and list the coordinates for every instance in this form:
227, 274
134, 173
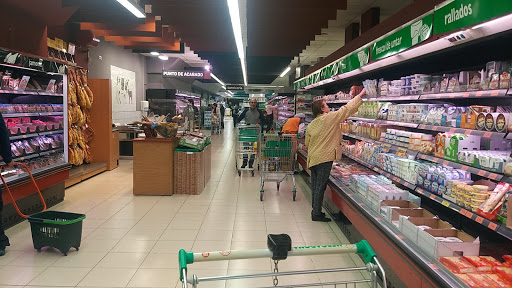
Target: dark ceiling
277, 30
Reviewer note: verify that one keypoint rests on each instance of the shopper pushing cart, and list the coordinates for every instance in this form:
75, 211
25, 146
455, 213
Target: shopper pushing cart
251, 116
277, 159
247, 147
279, 249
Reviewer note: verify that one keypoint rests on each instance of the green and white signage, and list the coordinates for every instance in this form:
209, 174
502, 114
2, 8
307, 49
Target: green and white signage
355, 60
458, 14
403, 39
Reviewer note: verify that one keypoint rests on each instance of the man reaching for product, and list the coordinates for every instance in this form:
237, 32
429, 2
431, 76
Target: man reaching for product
252, 116
5, 152
323, 139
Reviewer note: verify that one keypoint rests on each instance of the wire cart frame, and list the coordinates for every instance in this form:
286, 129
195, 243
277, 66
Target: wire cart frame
247, 148
278, 154
362, 248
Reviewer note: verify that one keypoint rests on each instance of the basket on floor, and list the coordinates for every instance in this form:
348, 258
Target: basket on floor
60, 230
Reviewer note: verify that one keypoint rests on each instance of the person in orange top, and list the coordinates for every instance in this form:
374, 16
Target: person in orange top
292, 125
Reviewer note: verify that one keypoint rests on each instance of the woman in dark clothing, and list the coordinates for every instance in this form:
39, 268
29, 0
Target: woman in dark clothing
5, 152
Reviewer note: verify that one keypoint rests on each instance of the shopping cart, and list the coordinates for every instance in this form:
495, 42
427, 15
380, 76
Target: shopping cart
61, 230
247, 148
277, 159
216, 125
279, 248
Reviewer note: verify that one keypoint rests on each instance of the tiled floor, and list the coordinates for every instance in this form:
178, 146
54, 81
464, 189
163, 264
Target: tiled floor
133, 241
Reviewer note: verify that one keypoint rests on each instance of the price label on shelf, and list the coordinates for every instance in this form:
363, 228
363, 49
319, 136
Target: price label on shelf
495, 93
420, 191
401, 152
468, 132
446, 162
445, 203
479, 94
487, 134
493, 176
481, 173
462, 211
434, 128
469, 214
466, 95
452, 130
432, 196
464, 168
493, 226
479, 219
422, 126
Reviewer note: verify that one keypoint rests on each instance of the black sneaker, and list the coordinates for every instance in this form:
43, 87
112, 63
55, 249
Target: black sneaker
320, 218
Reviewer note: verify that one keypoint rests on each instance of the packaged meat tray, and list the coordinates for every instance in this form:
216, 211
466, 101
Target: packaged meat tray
481, 264
457, 265
483, 281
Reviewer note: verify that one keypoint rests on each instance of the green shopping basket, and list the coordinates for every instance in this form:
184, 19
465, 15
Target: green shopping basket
60, 230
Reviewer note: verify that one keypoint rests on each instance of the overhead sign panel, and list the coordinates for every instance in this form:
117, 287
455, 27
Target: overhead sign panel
186, 74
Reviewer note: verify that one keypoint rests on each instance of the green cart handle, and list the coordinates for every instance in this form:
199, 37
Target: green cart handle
363, 248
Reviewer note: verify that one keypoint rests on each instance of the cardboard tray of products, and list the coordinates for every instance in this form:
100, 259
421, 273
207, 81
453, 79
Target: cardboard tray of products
468, 247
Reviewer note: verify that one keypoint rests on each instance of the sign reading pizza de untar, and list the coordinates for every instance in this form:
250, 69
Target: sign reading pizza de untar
186, 74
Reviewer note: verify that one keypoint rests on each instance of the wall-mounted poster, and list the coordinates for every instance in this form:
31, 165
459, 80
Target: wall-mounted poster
123, 89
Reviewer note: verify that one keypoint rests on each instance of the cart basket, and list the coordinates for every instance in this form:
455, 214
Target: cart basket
61, 230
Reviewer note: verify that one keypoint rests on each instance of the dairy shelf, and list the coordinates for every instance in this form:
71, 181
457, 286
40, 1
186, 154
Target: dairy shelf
495, 226
417, 155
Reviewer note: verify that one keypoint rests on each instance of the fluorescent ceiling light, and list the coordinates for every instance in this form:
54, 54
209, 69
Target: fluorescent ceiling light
155, 53
207, 67
217, 79
163, 57
223, 87
132, 7
492, 22
234, 13
285, 71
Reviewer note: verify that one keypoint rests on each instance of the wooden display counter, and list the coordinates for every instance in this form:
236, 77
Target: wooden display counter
153, 166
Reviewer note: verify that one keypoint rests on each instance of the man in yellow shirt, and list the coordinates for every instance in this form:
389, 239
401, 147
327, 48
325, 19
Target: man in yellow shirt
292, 125
323, 139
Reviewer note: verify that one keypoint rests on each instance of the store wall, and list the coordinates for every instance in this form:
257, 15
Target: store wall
107, 54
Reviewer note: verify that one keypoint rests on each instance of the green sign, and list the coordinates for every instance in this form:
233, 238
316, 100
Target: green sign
403, 39
463, 13
354, 61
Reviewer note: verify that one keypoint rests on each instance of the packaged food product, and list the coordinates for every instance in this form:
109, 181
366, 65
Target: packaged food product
470, 282
507, 258
482, 280
494, 81
500, 280
481, 264
457, 265
504, 79
505, 272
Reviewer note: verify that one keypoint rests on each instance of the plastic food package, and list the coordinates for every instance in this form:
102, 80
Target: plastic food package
481, 264
505, 272
500, 280
457, 265
470, 282
483, 281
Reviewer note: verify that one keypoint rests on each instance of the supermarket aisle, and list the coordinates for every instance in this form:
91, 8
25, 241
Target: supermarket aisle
133, 241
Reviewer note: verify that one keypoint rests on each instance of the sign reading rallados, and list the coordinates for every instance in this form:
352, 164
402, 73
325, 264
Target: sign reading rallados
186, 74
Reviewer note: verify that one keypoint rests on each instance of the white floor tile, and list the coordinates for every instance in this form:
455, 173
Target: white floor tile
12, 275
60, 276
134, 246
122, 260
80, 260
161, 261
107, 277
175, 234
154, 278
172, 247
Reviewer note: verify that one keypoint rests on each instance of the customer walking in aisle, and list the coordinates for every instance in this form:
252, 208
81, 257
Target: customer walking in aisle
323, 139
252, 116
216, 118
5, 152
222, 113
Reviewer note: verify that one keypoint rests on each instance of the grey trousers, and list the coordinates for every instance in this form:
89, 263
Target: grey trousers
319, 177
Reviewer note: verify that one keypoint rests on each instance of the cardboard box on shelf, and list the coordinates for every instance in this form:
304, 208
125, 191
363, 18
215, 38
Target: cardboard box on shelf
409, 212
386, 206
468, 246
413, 226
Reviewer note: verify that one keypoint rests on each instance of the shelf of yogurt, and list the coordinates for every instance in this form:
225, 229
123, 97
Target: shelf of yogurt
439, 183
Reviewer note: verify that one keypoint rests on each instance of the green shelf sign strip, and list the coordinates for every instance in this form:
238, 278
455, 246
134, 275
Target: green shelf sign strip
403, 39
464, 13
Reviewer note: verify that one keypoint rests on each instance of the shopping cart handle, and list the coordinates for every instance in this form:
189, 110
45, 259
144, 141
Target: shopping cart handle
364, 248
184, 259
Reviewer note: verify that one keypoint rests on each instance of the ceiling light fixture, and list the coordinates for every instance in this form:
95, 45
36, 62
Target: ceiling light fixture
234, 13
217, 79
133, 7
207, 67
223, 87
155, 53
163, 57
285, 71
